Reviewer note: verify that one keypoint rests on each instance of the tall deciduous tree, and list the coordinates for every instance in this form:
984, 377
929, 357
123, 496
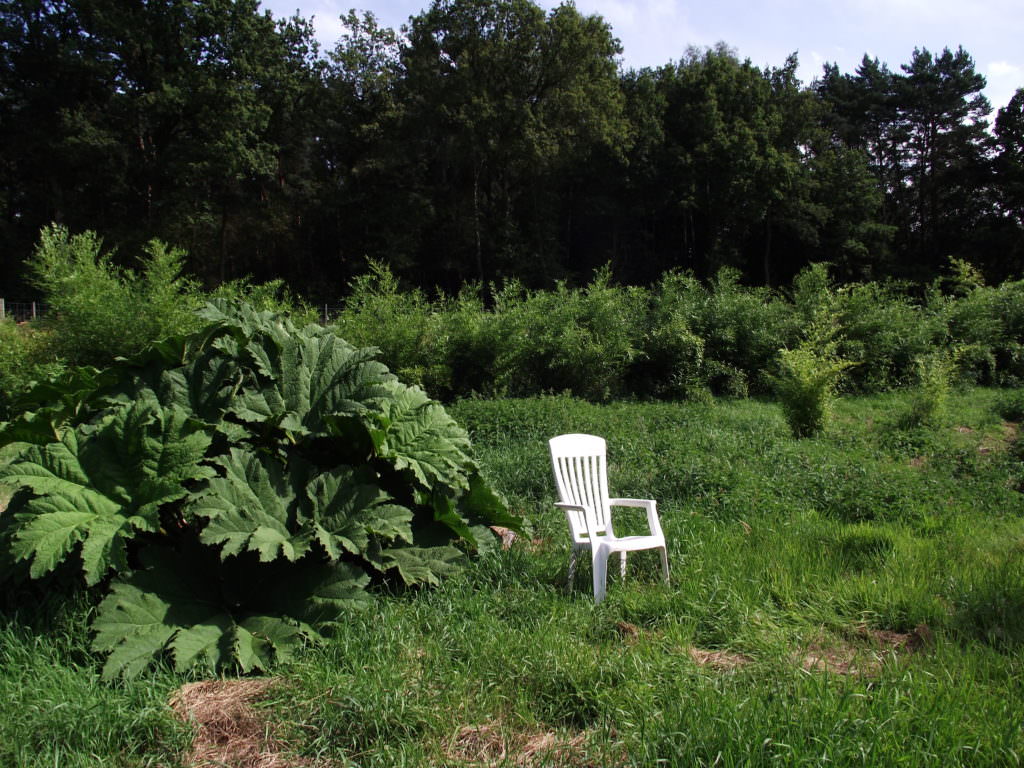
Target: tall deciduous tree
365, 208
163, 117
500, 101
719, 162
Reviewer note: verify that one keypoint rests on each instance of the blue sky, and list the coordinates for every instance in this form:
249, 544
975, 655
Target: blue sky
654, 32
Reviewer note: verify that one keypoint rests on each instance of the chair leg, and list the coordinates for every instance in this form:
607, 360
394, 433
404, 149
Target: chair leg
600, 559
572, 567
622, 565
664, 562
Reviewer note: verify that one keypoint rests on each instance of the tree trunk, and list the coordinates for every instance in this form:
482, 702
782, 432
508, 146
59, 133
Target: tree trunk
476, 224
224, 243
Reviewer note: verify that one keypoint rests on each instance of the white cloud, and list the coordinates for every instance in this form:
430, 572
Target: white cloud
1004, 78
617, 13
924, 10
1001, 69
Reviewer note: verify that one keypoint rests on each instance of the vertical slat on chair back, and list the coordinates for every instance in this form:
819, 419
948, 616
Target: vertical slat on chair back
581, 476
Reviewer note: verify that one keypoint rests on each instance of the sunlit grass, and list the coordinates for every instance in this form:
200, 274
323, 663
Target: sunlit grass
851, 599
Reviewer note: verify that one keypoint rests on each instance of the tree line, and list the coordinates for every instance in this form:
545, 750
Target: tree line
488, 139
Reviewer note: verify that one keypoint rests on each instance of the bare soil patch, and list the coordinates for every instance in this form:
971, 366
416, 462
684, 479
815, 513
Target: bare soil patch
229, 732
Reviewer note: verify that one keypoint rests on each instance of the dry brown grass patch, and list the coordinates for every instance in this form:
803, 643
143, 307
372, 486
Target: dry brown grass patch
720, 661
509, 537
630, 633
1000, 443
887, 640
840, 658
495, 744
864, 653
229, 732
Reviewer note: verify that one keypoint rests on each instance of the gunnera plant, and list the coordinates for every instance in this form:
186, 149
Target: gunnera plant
235, 492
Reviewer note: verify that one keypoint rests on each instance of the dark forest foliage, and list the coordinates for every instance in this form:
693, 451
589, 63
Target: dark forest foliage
489, 139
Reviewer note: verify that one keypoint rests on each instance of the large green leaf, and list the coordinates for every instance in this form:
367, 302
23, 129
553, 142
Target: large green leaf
203, 387
101, 483
32, 428
132, 625
46, 410
260, 507
308, 377
250, 507
345, 509
415, 433
417, 565
245, 321
214, 615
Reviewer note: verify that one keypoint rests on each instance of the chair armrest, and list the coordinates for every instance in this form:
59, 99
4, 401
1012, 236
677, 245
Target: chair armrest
653, 522
588, 516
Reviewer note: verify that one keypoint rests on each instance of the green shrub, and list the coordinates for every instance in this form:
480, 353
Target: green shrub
99, 311
743, 329
679, 339
884, 332
567, 340
812, 293
807, 379
986, 328
234, 492
468, 340
26, 355
379, 313
670, 363
1010, 405
929, 400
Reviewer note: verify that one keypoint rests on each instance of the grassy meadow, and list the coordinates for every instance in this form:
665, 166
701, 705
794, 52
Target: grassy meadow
851, 599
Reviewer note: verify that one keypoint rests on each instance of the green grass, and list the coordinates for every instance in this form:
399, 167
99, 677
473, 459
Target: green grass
54, 711
778, 547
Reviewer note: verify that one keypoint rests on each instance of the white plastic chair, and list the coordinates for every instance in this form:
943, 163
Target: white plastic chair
580, 471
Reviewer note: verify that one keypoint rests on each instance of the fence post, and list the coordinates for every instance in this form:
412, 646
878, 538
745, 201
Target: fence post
3, 309
325, 314
34, 310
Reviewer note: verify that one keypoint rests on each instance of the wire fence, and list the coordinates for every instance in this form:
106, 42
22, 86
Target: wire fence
329, 312
22, 311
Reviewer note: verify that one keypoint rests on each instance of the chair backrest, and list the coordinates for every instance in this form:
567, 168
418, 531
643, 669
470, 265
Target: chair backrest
581, 475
